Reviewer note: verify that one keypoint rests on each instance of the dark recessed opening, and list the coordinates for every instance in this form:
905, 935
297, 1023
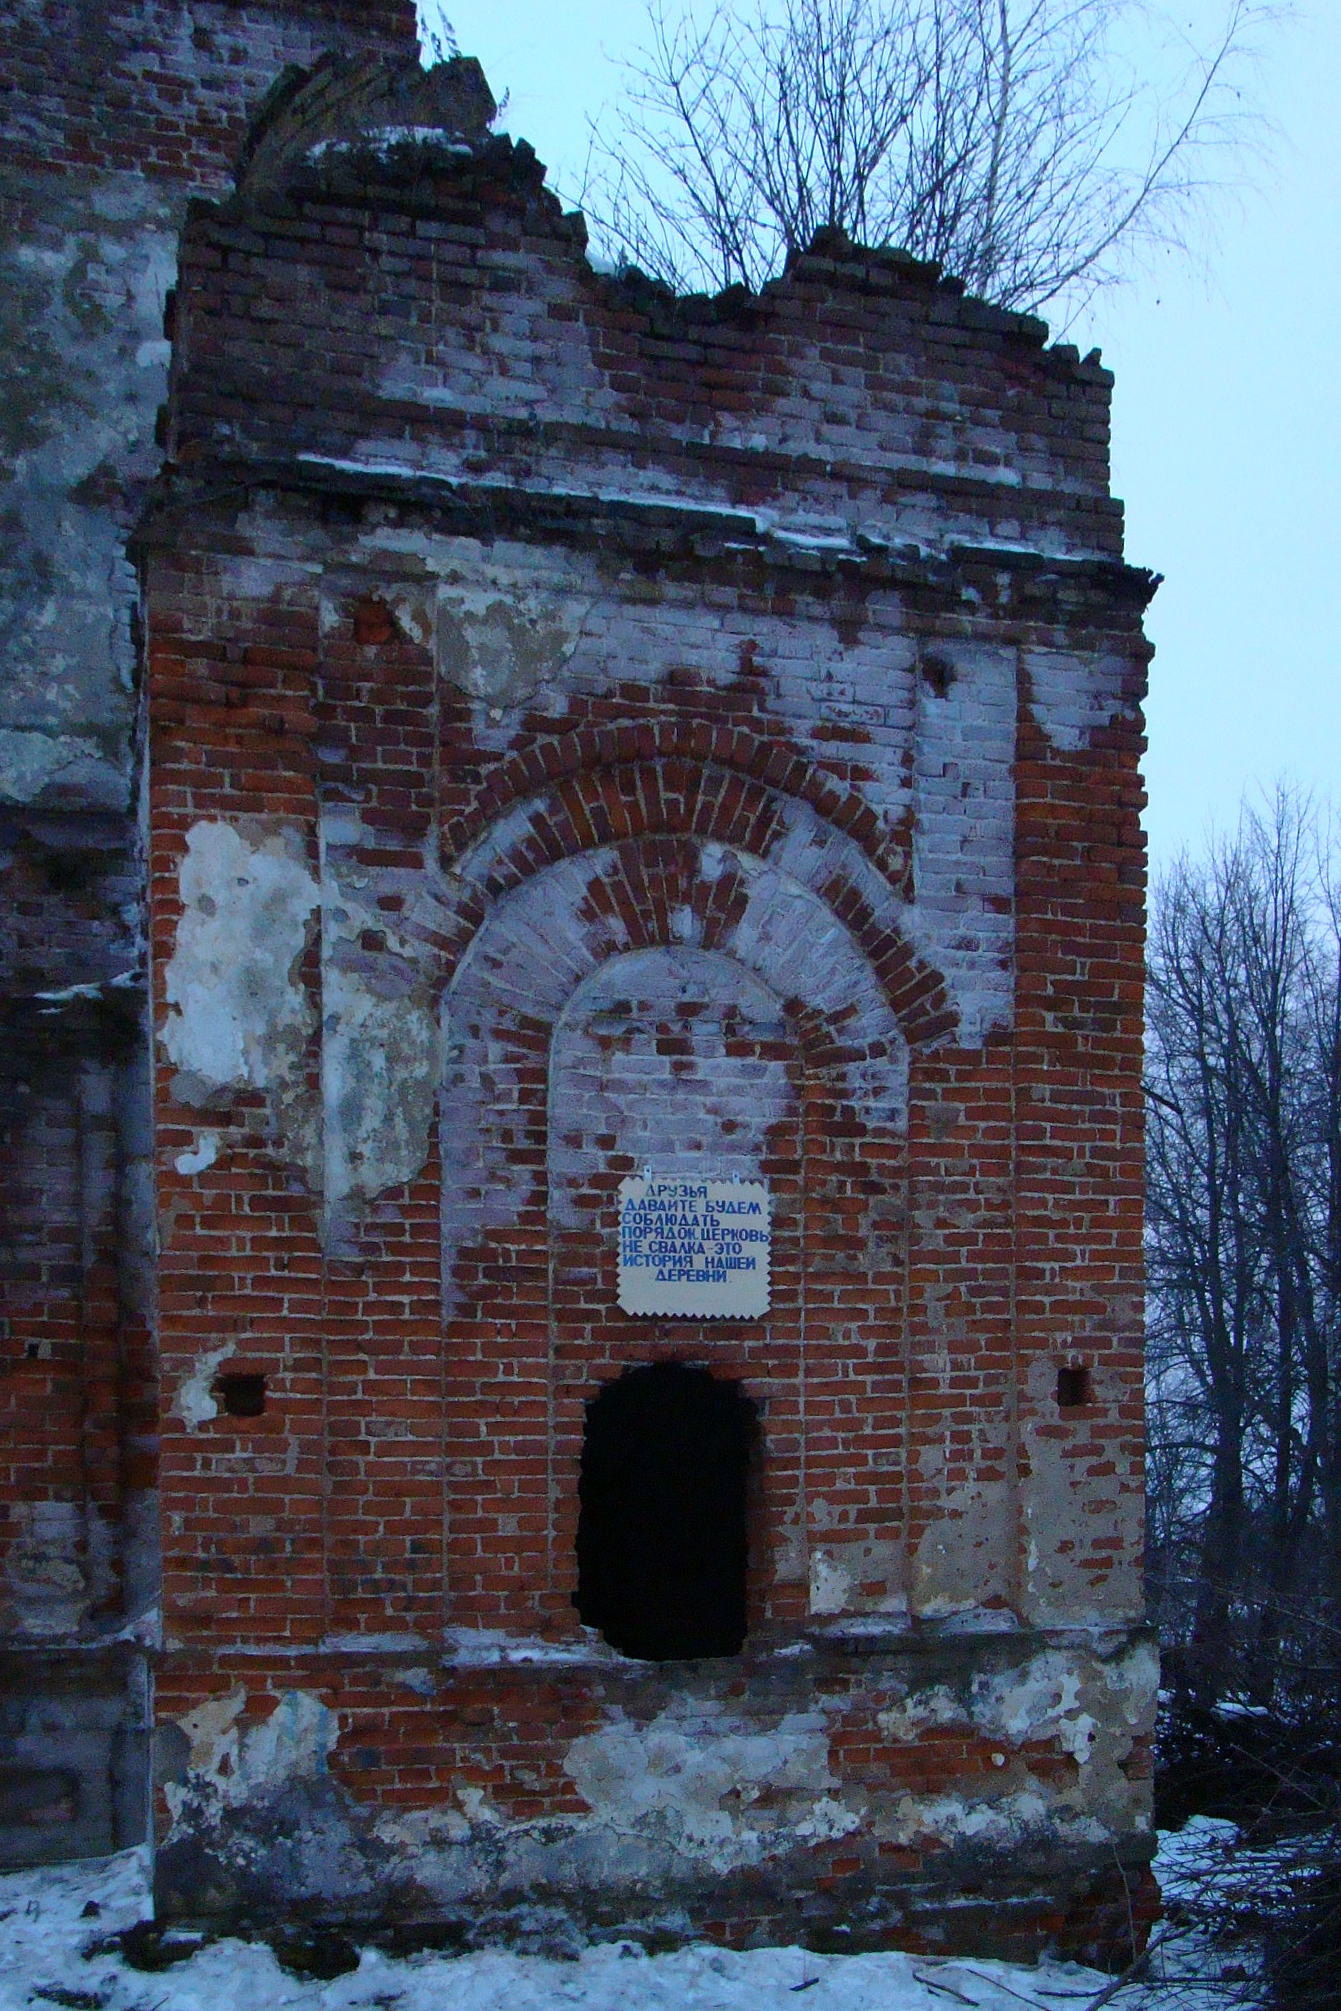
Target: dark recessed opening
243, 1396
1073, 1388
662, 1547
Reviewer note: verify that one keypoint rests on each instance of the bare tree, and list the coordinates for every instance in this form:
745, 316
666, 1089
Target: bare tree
1244, 1244
1024, 144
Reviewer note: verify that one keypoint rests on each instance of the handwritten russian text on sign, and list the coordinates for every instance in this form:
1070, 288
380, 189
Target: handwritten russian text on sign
694, 1247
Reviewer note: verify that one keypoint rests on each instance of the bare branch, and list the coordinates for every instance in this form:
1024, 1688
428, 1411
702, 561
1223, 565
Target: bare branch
1032, 147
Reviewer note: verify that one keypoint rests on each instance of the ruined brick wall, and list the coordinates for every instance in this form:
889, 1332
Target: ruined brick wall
589, 729
112, 117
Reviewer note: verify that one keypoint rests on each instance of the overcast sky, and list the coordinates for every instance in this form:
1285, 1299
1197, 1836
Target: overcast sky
1227, 411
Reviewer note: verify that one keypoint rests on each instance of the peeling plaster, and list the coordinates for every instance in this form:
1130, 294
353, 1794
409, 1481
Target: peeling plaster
699, 1784
500, 639
544, 938
709, 1785
961, 917
1070, 1498
838, 1571
199, 1157
964, 1556
85, 264
379, 1077
381, 1046
226, 1766
520, 628
605, 1079
238, 1014
714, 1787
46, 1580
31, 762
1073, 697
194, 1402
1087, 1704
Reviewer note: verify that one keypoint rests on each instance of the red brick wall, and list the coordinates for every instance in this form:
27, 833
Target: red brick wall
665, 733
164, 88
111, 115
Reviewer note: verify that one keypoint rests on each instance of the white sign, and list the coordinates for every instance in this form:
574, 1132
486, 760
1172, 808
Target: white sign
694, 1247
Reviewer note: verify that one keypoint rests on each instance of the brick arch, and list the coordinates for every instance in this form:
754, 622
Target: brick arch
540, 944
772, 762
649, 803
548, 934
557, 926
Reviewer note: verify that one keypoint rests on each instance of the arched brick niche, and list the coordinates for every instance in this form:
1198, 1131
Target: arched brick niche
815, 833
689, 1002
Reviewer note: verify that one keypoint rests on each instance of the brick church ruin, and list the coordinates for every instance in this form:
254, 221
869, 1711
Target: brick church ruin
572, 915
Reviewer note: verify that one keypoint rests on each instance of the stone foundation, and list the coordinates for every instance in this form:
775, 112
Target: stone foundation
950, 1792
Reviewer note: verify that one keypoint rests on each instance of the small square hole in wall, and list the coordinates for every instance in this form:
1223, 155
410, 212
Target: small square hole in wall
1073, 1388
243, 1396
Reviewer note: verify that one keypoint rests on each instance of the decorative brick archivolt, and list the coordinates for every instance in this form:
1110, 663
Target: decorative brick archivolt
632, 802
768, 760
548, 935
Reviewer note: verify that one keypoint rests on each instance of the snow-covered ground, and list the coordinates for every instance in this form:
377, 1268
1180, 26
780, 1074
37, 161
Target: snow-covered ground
52, 1921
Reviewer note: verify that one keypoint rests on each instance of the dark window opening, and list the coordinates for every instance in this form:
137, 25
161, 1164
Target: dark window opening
662, 1546
243, 1396
1073, 1388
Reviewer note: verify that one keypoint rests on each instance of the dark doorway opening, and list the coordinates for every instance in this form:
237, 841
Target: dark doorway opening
662, 1547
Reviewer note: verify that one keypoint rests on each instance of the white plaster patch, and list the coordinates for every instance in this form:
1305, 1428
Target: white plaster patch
232, 1767
848, 1577
379, 1069
695, 1775
238, 1016
1075, 1575
200, 1156
194, 1402
381, 1043
295, 1740
1001, 1820
1077, 1700
1042, 1702
963, 1555
962, 914
548, 935
830, 1584
1073, 697
907, 1721
501, 636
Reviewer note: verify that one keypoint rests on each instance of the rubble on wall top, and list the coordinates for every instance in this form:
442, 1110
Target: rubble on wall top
350, 108
350, 126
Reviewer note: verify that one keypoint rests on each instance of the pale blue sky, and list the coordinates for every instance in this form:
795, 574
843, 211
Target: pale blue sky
1227, 411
